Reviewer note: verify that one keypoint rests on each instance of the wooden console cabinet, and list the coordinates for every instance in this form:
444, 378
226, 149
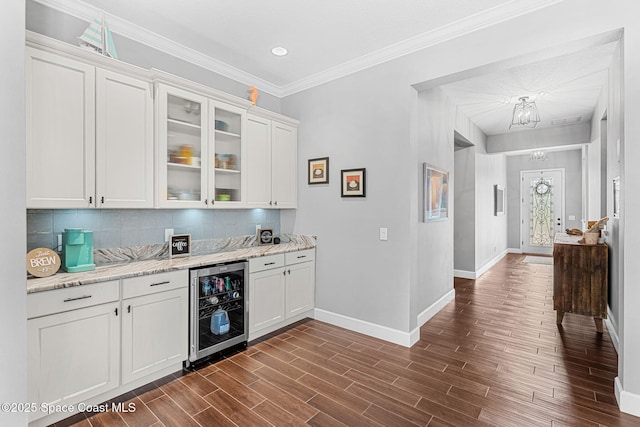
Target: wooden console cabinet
580, 275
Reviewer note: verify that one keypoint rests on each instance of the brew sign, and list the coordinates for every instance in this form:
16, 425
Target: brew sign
179, 245
42, 262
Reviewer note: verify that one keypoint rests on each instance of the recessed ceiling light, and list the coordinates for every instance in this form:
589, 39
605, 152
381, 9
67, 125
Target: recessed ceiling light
279, 51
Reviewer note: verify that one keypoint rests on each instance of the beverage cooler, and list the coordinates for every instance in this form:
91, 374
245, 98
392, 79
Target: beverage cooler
218, 309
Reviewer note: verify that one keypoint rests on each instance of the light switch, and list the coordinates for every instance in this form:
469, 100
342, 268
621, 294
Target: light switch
383, 233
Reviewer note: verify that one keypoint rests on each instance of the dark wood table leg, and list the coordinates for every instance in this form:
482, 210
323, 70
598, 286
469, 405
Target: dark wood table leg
598, 321
559, 317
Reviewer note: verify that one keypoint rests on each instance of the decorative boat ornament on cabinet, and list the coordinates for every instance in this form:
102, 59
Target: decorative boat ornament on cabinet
98, 37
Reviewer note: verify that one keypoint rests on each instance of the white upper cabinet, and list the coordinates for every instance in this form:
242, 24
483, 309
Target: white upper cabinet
124, 141
271, 163
60, 102
89, 135
97, 137
284, 157
200, 150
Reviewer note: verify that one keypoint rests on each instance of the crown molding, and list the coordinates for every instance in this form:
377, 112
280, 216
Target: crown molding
478, 21
86, 12
461, 27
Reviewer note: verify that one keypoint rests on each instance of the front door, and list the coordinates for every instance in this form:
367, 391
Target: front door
542, 198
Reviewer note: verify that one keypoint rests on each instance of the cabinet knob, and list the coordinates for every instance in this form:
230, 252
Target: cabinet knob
275, 203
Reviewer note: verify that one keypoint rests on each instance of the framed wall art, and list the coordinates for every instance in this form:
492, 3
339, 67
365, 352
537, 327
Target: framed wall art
436, 193
265, 236
498, 197
179, 245
319, 171
354, 182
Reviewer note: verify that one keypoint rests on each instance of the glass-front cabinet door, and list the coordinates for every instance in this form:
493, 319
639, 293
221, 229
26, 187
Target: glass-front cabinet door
227, 178
200, 151
182, 146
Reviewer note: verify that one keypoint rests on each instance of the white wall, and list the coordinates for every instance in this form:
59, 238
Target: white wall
13, 295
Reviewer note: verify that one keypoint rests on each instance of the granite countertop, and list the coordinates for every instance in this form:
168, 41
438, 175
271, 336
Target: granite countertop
127, 263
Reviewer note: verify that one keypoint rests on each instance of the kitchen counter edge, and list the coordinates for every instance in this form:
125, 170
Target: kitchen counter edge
146, 267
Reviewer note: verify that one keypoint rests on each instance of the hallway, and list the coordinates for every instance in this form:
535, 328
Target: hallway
492, 357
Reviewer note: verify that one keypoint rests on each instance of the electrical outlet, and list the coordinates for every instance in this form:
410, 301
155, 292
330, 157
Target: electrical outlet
59, 247
383, 233
258, 227
167, 233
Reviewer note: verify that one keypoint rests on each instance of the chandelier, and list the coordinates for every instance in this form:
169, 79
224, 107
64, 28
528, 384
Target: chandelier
538, 155
525, 113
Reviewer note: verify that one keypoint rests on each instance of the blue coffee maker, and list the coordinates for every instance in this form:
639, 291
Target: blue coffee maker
77, 250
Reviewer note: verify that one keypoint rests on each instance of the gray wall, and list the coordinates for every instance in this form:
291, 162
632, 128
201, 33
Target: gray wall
606, 152
357, 275
540, 138
571, 161
13, 297
491, 230
437, 122
464, 224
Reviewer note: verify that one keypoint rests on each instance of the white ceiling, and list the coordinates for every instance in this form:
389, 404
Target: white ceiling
331, 38
564, 87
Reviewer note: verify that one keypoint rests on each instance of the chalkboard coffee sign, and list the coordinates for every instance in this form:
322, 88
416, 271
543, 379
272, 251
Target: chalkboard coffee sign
42, 262
179, 245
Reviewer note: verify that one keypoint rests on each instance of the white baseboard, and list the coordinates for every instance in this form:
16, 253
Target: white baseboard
627, 402
491, 263
434, 308
464, 274
405, 339
612, 327
514, 250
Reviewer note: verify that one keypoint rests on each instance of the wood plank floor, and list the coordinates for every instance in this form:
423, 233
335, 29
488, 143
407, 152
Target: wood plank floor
492, 357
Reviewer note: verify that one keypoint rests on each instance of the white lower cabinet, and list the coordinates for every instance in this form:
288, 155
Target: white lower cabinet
281, 290
90, 343
154, 326
73, 355
300, 289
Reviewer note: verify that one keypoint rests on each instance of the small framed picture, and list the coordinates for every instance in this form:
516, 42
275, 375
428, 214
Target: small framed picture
265, 236
354, 183
179, 245
319, 170
436, 193
498, 204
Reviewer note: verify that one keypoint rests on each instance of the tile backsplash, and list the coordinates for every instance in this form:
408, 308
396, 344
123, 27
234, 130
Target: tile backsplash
130, 227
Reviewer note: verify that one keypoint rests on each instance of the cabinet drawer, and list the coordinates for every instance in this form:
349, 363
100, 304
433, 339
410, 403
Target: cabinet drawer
143, 285
266, 262
59, 300
300, 256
